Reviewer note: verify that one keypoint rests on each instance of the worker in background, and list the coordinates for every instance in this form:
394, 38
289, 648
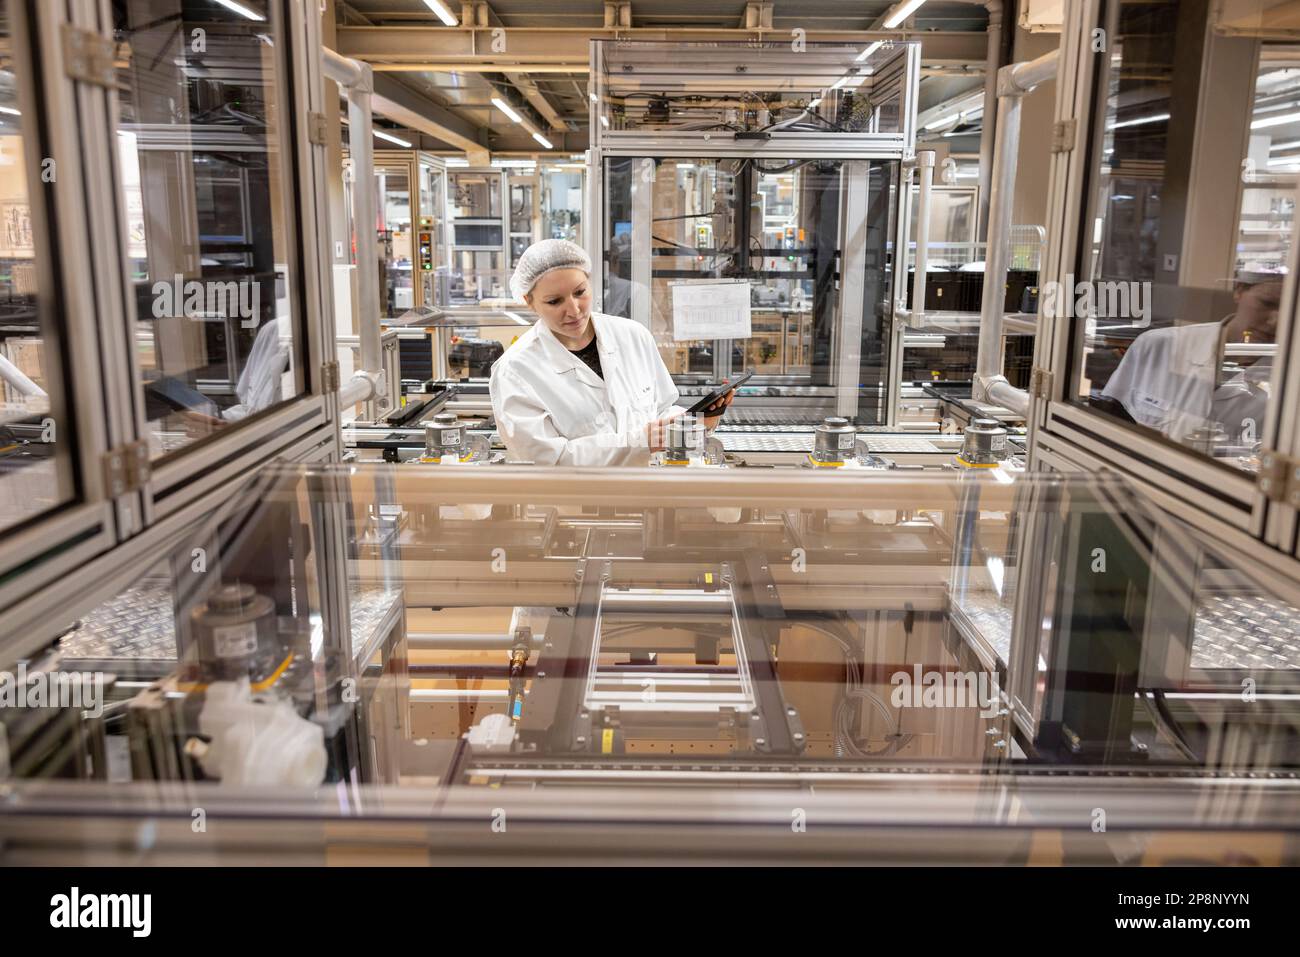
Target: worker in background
580, 388
1172, 379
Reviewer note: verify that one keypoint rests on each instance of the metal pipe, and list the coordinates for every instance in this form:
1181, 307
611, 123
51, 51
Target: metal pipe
1014, 81
18, 379
988, 133
357, 79
342, 70
925, 177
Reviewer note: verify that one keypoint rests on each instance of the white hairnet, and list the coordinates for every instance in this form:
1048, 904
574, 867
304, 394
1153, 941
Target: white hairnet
546, 256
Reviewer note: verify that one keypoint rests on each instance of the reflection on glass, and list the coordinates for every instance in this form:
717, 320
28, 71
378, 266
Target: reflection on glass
1175, 316
33, 477
205, 193
778, 225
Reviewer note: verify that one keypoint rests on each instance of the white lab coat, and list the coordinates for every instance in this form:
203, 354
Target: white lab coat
551, 409
1168, 380
268, 374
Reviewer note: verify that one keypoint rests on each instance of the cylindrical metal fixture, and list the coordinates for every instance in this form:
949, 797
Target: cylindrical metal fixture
683, 438
235, 633
985, 443
834, 440
444, 436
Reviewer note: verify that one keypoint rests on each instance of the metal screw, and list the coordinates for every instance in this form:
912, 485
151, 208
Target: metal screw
791, 712
582, 739
999, 744
541, 674
760, 741
798, 735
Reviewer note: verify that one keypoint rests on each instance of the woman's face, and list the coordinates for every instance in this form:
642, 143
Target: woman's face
563, 300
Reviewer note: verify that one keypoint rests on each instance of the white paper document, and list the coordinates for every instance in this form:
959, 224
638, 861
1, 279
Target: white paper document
717, 309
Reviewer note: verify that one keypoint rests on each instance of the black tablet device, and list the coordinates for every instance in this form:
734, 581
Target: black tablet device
717, 394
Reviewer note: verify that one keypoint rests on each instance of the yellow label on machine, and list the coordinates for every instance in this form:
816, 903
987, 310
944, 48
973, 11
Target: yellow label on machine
607, 741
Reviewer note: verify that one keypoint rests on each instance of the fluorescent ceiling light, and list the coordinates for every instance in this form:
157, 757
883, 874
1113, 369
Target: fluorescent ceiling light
505, 108
11, 111
543, 140
870, 50
1288, 145
242, 10
854, 81
604, 121
839, 83
440, 8
1275, 121
518, 318
815, 103
1155, 118
902, 13
391, 138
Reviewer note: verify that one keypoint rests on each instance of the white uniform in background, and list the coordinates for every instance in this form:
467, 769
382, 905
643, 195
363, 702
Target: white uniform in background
267, 377
551, 409
1167, 381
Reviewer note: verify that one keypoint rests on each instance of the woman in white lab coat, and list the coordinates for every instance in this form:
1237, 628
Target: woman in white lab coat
579, 387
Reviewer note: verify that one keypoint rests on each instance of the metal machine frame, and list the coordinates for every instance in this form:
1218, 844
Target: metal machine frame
609, 143
96, 337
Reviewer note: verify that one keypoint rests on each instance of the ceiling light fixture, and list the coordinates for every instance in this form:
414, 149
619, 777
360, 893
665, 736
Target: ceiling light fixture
902, 13
242, 10
543, 140
391, 138
445, 15
505, 108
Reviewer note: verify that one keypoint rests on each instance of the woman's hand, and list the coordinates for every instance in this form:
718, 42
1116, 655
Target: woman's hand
656, 433
713, 413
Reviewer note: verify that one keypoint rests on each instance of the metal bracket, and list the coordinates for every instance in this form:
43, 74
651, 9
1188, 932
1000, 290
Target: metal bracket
89, 57
1040, 383
126, 468
316, 128
1279, 478
329, 374
1064, 135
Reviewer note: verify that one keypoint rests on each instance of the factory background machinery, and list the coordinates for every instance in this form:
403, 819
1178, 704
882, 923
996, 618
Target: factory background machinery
263, 550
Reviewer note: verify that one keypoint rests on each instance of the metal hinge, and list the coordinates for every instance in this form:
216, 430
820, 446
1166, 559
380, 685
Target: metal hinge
316, 128
1279, 478
126, 468
329, 375
1064, 133
1040, 383
89, 57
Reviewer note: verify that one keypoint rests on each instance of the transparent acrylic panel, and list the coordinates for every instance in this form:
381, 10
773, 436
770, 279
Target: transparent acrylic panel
698, 637
780, 226
207, 192
476, 275
35, 435
393, 191
1174, 314
562, 203
768, 86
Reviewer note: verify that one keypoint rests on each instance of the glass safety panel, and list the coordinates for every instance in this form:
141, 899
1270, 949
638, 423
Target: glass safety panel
393, 192
466, 630
779, 228
35, 434
1185, 247
479, 243
207, 190
562, 202
431, 254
